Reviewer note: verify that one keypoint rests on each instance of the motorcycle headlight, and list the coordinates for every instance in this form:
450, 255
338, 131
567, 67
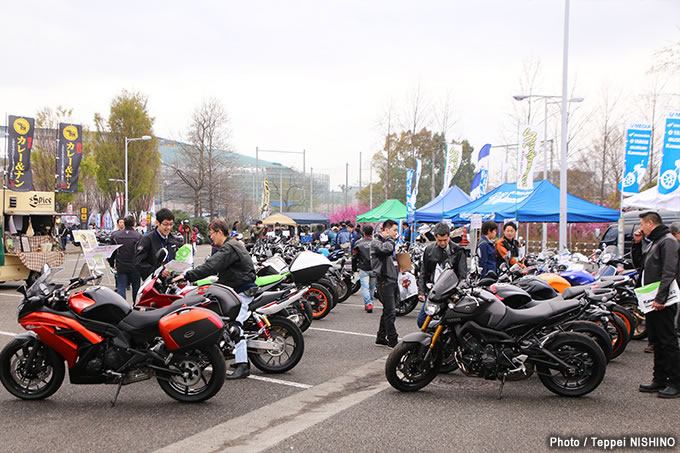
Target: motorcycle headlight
431, 309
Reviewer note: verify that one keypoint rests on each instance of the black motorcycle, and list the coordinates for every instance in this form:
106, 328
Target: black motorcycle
490, 340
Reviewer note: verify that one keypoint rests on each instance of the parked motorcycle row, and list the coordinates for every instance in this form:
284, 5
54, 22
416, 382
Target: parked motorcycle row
565, 326
564, 319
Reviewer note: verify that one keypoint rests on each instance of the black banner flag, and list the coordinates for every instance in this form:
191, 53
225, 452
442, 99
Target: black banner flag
69, 154
19, 153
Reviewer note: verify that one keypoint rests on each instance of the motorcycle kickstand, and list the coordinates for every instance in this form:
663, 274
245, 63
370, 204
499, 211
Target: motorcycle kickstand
115, 398
500, 390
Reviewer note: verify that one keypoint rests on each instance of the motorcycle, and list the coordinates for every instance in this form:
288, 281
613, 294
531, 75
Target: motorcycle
104, 341
491, 340
275, 343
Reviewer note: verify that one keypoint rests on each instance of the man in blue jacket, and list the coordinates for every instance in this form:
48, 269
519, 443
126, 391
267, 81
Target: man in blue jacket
486, 251
344, 239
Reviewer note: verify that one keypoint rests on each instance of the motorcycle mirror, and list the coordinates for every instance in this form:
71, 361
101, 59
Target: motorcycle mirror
161, 255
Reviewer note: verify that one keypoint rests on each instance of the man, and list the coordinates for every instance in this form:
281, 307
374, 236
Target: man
277, 229
384, 265
344, 239
486, 251
153, 241
121, 224
124, 258
61, 233
234, 268
257, 232
506, 244
436, 256
316, 237
675, 230
407, 233
655, 253
332, 235
361, 260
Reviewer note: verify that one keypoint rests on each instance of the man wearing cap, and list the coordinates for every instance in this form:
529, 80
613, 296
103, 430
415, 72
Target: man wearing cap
655, 253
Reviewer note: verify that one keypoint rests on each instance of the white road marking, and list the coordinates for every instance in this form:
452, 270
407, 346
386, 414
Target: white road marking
9, 334
10, 295
265, 427
279, 381
343, 331
343, 304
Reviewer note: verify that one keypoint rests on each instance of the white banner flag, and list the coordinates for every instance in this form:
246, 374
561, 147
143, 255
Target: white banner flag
529, 139
454, 155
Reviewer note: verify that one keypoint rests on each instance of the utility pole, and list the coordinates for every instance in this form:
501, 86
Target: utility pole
311, 189
370, 186
359, 170
281, 192
346, 181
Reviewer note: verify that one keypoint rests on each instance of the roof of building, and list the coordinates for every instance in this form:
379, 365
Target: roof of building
170, 150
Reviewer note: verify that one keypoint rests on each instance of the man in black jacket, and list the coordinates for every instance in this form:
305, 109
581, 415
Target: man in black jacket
361, 261
655, 252
385, 267
124, 257
234, 267
153, 241
441, 253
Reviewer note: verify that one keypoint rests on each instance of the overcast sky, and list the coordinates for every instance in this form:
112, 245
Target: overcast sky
319, 76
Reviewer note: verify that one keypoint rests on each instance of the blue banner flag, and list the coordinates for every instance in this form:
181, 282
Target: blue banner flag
638, 142
669, 173
409, 187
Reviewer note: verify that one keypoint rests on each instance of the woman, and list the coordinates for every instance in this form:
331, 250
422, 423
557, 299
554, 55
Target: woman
234, 267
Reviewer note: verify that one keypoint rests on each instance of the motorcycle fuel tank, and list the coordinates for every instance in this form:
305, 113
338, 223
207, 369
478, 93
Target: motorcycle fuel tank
107, 305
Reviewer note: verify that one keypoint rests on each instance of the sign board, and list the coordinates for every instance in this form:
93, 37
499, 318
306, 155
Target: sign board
476, 221
29, 203
83, 215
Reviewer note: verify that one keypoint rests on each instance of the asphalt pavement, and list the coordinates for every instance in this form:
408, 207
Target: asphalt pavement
336, 399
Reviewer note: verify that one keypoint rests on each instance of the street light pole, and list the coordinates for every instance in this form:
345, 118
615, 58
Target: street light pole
128, 140
563, 169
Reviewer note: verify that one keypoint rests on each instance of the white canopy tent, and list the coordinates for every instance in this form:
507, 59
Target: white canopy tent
652, 199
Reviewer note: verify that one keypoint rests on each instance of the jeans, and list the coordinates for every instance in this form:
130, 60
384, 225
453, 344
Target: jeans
241, 349
422, 316
661, 330
368, 281
122, 281
388, 295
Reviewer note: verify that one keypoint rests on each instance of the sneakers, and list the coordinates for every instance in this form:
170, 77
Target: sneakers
369, 308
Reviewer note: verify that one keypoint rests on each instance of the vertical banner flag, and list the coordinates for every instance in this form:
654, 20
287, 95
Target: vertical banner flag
412, 194
454, 155
669, 173
638, 142
530, 137
264, 210
479, 182
69, 154
409, 188
20, 144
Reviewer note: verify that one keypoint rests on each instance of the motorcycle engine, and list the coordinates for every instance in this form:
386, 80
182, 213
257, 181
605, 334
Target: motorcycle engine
476, 359
115, 357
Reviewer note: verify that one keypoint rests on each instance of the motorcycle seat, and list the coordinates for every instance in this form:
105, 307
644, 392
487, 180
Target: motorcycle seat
574, 291
536, 313
143, 320
265, 298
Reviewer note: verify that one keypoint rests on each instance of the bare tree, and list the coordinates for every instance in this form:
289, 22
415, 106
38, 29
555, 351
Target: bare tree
416, 116
442, 116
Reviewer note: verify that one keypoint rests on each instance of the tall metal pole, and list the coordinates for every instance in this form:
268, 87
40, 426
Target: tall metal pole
346, 182
359, 170
311, 189
544, 241
564, 163
126, 177
257, 173
370, 186
281, 192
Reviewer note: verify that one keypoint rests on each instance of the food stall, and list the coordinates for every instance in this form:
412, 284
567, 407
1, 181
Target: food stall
27, 237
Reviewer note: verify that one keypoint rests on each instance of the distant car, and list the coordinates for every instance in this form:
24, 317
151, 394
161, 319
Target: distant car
631, 222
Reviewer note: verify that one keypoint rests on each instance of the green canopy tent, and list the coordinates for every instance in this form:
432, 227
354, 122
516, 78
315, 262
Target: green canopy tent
390, 209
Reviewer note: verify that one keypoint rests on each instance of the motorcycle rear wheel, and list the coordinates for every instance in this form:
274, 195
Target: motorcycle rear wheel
41, 381
405, 369
584, 355
640, 332
406, 306
291, 345
203, 375
594, 331
618, 333
627, 317
343, 291
331, 289
356, 286
318, 297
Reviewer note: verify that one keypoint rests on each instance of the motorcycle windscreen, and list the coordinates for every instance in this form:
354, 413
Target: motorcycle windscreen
444, 286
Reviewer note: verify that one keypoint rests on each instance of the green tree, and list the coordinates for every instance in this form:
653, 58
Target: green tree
128, 117
398, 151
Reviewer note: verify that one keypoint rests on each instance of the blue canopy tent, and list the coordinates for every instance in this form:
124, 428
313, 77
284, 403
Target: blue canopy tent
433, 211
539, 205
308, 218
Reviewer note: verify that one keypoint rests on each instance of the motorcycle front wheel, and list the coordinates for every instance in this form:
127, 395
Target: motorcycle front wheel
640, 331
203, 371
406, 368
586, 361
318, 297
406, 306
288, 345
37, 380
343, 290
